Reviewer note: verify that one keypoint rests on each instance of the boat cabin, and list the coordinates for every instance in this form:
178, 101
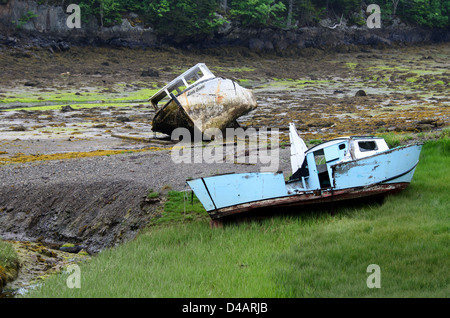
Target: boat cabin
193, 76
316, 170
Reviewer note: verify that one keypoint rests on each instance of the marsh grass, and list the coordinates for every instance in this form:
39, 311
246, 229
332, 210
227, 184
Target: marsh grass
181, 207
8, 256
394, 139
311, 254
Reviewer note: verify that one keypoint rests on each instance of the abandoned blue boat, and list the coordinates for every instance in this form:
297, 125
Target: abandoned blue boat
341, 169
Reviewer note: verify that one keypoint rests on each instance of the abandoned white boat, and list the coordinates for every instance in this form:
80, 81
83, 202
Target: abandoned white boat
197, 99
341, 169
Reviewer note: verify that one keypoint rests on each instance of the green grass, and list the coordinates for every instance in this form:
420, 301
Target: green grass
310, 255
180, 207
394, 139
8, 256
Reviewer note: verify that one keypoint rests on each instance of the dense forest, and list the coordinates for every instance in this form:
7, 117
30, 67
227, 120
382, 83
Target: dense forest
189, 17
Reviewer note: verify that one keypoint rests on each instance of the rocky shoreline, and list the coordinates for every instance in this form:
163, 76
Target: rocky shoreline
48, 29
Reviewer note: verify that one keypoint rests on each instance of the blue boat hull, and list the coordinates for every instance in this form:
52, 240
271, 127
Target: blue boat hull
390, 166
381, 174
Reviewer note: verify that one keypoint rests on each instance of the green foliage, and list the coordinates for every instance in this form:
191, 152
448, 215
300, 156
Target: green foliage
394, 140
8, 255
346, 6
257, 12
430, 13
308, 13
108, 12
24, 19
111, 11
183, 17
427, 13
199, 18
152, 194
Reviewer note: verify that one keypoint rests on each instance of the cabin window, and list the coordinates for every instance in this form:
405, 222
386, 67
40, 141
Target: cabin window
367, 146
321, 166
341, 146
319, 157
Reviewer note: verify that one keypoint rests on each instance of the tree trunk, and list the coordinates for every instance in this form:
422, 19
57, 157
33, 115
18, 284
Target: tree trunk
289, 16
224, 5
395, 4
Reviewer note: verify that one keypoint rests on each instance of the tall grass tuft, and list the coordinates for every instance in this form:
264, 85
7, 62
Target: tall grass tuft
8, 256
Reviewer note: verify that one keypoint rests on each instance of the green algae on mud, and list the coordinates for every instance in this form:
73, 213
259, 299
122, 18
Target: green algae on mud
81, 106
46, 101
23, 158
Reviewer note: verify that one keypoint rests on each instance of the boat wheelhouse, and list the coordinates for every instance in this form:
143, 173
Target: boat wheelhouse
198, 100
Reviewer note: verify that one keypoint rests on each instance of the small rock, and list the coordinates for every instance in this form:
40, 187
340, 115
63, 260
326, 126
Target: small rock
71, 249
256, 45
150, 73
50, 261
63, 46
123, 119
32, 83
360, 93
18, 128
83, 252
430, 122
67, 108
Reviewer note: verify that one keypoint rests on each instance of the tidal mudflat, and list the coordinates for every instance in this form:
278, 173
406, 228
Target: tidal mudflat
80, 100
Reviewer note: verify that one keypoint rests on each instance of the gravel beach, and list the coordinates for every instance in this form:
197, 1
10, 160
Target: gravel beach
96, 201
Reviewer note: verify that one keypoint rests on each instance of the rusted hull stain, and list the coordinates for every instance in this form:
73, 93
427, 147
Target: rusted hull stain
304, 199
